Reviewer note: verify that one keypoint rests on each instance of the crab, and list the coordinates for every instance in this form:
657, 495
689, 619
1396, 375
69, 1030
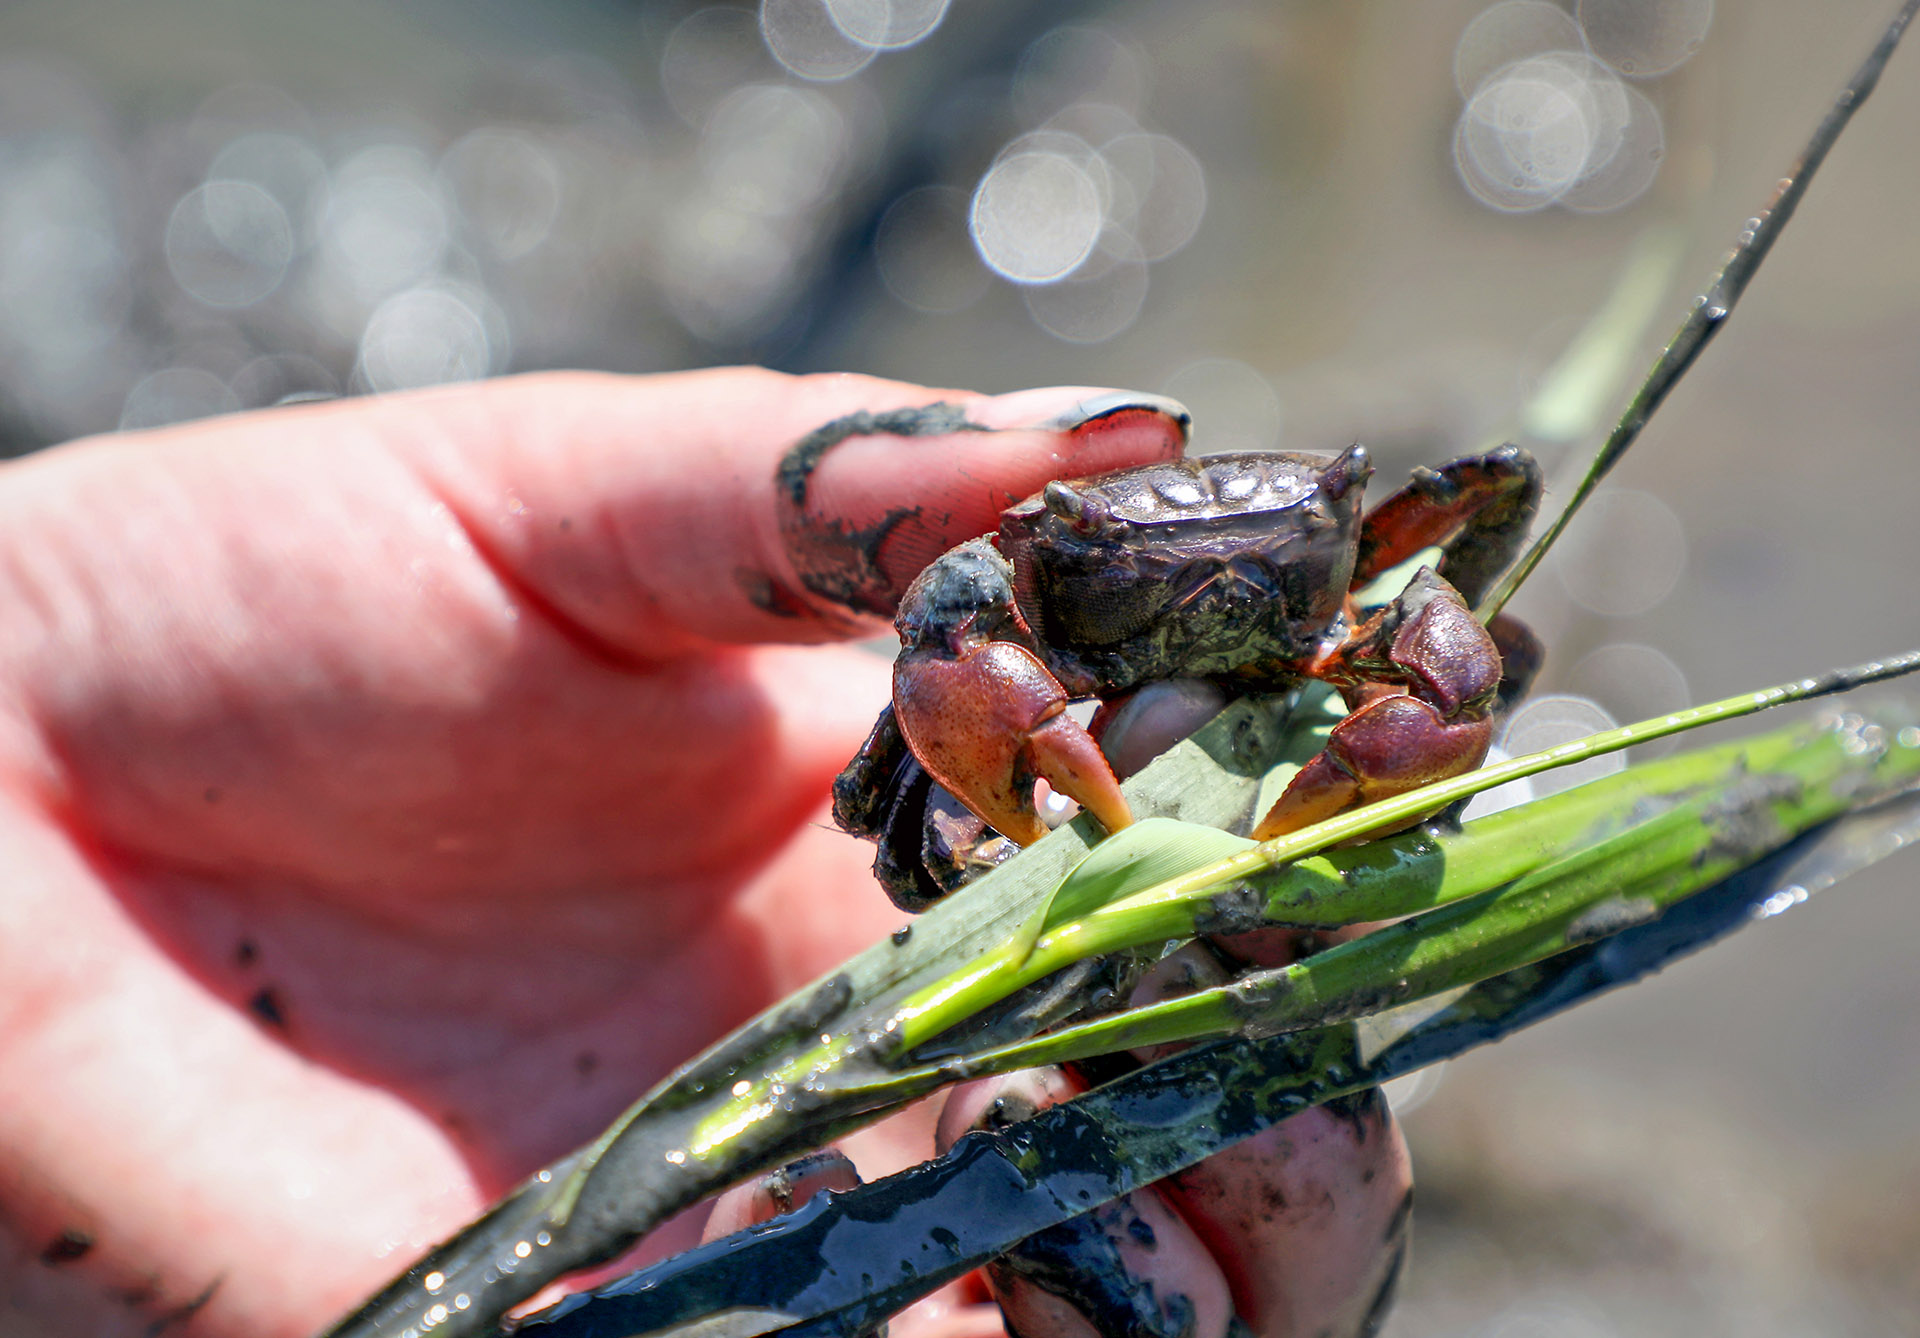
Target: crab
1238, 570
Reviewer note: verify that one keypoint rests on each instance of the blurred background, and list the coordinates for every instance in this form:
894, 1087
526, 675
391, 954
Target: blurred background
1315, 221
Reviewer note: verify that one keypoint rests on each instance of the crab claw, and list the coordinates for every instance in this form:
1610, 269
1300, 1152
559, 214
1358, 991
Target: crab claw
987, 721
1385, 749
1422, 678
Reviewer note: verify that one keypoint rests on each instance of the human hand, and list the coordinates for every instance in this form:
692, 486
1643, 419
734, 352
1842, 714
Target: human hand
390, 790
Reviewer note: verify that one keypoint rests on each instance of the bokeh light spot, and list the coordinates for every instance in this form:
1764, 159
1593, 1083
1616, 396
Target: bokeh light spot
773, 148
803, 37
1644, 38
386, 226
1631, 167
1547, 119
887, 25
1522, 142
175, 395
1099, 300
1234, 407
287, 168
282, 378
1073, 64
228, 243
1624, 555
1036, 217
1165, 191
1633, 682
1510, 31
923, 254
507, 188
425, 337
725, 271
1549, 721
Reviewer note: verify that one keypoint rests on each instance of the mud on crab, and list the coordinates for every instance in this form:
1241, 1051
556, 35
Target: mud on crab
1234, 569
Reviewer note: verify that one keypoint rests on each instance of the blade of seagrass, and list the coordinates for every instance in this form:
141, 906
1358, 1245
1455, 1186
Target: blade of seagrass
845, 1261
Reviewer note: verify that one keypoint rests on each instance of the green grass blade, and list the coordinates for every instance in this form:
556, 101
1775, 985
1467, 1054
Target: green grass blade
1595, 889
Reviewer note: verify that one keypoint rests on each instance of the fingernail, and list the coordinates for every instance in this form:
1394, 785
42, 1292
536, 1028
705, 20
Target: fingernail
1074, 409
1117, 403
780, 1191
995, 1103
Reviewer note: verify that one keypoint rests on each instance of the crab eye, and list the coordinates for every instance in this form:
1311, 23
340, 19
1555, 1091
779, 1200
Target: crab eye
1076, 508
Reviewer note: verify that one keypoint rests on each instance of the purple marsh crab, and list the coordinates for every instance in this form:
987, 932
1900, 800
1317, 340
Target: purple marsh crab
1234, 569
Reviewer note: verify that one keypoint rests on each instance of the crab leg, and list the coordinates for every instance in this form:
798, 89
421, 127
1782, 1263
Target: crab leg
985, 721
1422, 678
1478, 508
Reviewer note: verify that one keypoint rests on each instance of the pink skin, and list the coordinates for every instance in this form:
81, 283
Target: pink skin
391, 790
1307, 1220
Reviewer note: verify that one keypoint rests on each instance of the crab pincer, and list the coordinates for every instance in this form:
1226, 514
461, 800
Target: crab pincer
979, 709
1421, 679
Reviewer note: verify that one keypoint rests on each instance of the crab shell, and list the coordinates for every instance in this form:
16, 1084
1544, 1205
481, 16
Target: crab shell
1224, 566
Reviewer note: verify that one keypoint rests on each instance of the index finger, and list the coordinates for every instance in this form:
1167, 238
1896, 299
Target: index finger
741, 505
